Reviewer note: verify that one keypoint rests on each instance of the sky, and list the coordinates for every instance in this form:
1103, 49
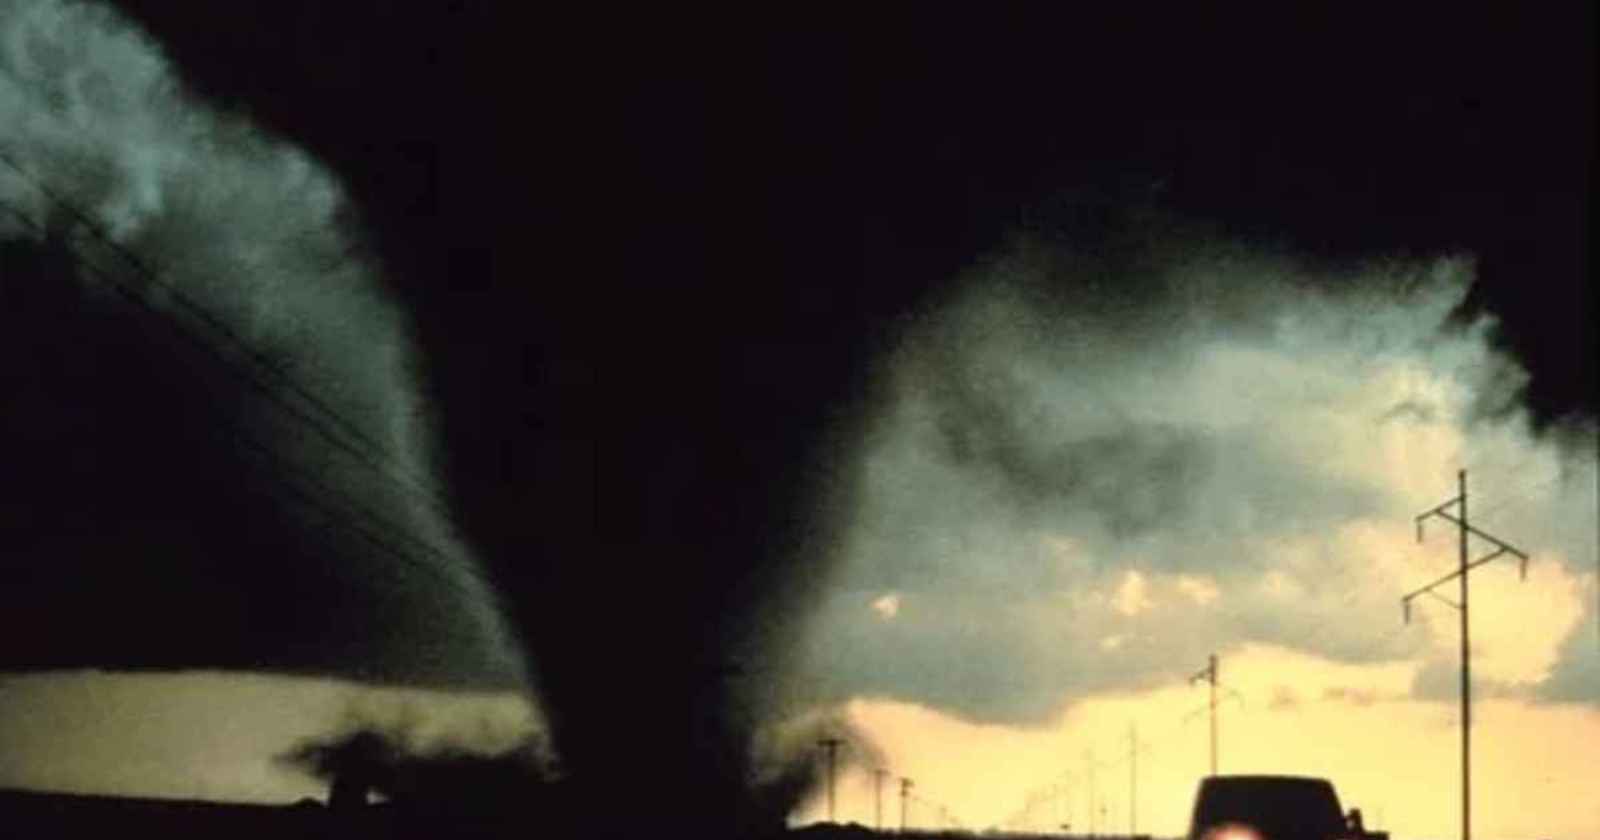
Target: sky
956, 388
1069, 506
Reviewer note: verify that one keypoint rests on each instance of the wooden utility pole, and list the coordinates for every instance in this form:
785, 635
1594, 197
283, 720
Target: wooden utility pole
1210, 676
878, 774
831, 746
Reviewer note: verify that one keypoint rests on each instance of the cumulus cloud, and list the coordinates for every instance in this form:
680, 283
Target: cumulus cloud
1132, 596
1199, 589
1091, 475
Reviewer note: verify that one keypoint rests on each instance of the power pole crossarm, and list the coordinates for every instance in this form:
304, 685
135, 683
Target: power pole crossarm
1209, 674
1505, 548
1469, 567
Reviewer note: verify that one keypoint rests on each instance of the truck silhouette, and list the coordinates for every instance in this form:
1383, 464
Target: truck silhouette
1273, 808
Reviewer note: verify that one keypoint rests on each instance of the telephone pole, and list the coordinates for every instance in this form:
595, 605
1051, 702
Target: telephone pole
878, 774
905, 801
1088, 760
1133, 779
1063, 803
831, 747
1463, 567
1210, 676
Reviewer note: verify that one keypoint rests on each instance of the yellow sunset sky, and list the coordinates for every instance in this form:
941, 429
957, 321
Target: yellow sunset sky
1394, 757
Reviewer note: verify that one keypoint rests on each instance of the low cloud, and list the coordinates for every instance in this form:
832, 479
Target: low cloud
224, 736
1353, 696
1199, 589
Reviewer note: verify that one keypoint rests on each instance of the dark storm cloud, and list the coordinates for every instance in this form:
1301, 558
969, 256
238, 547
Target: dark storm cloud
987, 422
1075, 498
220, 455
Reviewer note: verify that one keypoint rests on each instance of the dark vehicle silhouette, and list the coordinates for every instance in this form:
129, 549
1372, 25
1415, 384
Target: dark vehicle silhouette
1273, 808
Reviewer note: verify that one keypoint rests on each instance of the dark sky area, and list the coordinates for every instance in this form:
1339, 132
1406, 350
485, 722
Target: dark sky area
652, 259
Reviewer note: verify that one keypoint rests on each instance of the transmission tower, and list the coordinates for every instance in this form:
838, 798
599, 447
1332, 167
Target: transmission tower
1460, 574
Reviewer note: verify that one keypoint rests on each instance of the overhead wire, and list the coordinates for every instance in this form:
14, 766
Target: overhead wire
237, 436
367, 448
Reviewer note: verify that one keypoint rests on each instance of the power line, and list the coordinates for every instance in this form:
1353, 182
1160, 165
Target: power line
357, 510
239, 437
261, 363
338, 520
1518, 497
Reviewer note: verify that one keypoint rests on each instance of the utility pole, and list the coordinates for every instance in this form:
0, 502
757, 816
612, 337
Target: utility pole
1463, 567
905, 801
1064, 818
878, 773
1088, 760
831, 747
1133, 779
1210, 676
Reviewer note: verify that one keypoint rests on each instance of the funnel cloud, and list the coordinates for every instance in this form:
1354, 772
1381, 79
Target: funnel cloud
220, 453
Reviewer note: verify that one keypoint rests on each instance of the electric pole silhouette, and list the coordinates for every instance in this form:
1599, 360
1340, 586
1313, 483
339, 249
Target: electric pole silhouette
1064, 801
1210, 676
878, 773
1465, 529
831, 747
1094, 805
905, 800
1133, 779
